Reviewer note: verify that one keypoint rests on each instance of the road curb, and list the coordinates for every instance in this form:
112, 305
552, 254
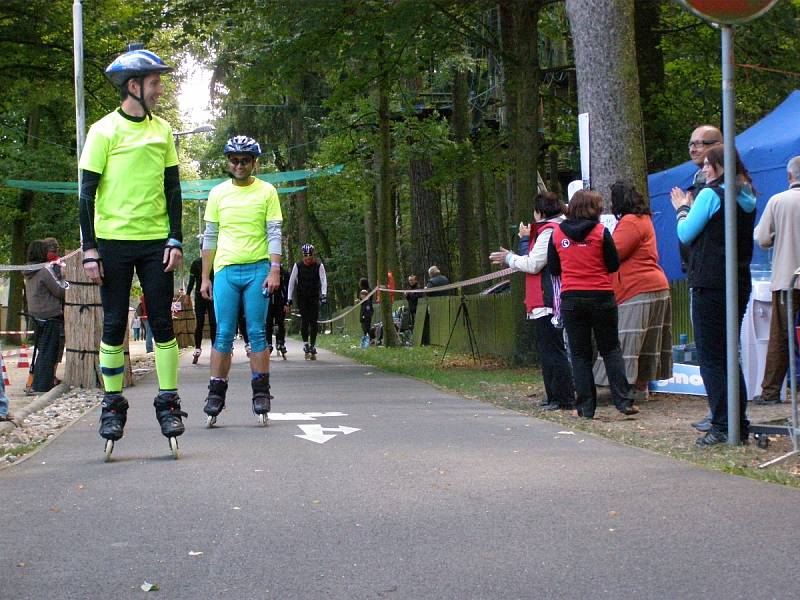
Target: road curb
41, 402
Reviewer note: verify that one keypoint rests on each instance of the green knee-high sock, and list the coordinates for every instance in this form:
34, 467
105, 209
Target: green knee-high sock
112, 367
167, 365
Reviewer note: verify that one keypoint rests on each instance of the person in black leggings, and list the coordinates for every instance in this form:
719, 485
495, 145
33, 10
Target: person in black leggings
201, 308
276, 317
309, 281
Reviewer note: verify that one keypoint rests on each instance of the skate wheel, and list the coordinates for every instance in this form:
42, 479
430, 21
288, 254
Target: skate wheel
210, 421
108, 450
263, 420
173, 446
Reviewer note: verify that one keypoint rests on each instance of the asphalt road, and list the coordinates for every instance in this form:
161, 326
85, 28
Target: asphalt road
417, 494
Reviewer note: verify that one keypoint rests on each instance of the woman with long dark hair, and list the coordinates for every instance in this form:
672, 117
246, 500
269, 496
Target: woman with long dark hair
701, 224
642, 293
582, 252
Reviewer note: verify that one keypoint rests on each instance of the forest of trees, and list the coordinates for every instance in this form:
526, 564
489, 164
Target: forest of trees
441, 111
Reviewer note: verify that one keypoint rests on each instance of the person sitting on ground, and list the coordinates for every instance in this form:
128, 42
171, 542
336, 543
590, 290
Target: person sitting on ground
642, 293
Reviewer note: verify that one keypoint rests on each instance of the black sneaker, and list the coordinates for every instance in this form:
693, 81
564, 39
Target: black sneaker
704, 425
712, 438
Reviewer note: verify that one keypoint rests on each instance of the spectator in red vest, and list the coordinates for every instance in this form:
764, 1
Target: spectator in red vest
642, 293
548, 211
582, 252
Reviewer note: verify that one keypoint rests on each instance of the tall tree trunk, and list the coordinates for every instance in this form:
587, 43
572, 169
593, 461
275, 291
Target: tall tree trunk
370, 226
385, 212
500, 209
608, 89
19, 236
297, 155
508, 114
464, 200
427, 226
650, 60
483, 223
519, 28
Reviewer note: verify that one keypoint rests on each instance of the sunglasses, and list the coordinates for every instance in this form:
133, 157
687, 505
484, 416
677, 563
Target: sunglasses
240, 161
699, 143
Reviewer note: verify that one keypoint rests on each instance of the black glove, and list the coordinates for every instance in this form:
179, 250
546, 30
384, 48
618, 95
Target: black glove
323, 300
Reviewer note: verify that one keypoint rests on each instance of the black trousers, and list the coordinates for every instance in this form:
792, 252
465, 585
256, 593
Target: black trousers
366, 326
201, 308
120, 259
710, 334
49, 347
556, 370
276, 321
595, 313
309, 315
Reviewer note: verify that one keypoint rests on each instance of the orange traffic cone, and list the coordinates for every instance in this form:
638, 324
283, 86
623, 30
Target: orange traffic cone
23, 359
6, 380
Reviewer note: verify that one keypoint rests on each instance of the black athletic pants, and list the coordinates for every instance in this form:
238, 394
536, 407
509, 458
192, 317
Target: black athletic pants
309, 315
201, 307
49, 336
276, 320
120, 259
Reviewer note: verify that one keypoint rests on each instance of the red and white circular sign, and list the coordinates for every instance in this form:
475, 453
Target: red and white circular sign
728, 12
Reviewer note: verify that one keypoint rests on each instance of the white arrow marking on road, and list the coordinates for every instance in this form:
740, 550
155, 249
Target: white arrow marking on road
309, 416
316, 433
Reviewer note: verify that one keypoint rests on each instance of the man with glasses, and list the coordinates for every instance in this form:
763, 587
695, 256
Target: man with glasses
703, 139
130, 219
242, 241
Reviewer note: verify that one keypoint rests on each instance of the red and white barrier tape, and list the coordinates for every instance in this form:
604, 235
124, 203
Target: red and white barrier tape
437, 289
37, 266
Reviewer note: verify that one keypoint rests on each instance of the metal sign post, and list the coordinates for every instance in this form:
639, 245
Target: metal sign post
728, 13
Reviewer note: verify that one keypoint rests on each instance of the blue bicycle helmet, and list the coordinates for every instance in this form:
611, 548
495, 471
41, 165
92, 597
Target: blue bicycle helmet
136, 63
307, 250
241, 144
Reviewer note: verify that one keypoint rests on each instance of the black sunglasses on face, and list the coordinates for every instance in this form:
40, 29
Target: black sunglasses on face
698, 143
240, 161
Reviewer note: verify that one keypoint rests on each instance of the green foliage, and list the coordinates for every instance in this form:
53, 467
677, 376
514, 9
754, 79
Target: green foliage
765, 52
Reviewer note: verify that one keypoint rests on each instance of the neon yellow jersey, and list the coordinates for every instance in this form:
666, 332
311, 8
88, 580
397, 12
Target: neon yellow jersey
130, 157
241, 213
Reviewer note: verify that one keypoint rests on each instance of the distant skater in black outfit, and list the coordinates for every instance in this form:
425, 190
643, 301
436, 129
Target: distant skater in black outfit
201, 308
276, 317
309, 281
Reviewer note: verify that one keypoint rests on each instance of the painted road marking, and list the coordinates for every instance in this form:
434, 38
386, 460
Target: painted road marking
307, 416
316, 433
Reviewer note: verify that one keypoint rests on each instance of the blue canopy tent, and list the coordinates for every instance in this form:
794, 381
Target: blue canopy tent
765, 149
